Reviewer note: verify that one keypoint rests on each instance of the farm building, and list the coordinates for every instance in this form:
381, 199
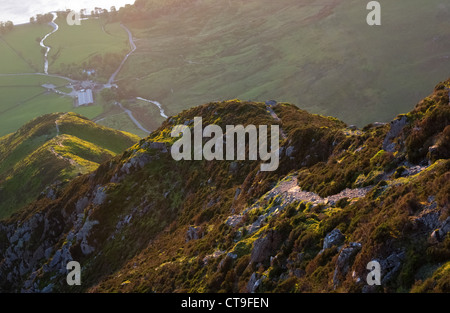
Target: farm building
85, 97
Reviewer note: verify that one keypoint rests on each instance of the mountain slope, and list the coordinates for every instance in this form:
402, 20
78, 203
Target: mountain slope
52, 149
341, 197
304, 52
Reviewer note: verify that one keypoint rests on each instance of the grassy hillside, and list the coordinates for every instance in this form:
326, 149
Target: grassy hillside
37, 155
191, 52
321, 56
341, 197
20, 49
74, 48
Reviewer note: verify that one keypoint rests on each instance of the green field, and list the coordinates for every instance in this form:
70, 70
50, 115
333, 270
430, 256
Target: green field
20, 50
76, 44
23, 98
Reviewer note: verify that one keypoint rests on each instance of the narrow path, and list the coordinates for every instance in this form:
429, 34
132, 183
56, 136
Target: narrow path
55, 29
161, 110
135, 121
275, 117
133, 48
59, 140
290, 191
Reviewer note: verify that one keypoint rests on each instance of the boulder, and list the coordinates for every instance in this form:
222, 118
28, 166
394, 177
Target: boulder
253, 283
334, 238
234, 220
397, 126
344, 261
290, 151
160, 146
194, 233
265, 246
391, 265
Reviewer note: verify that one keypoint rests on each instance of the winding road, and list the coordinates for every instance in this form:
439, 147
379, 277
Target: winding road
135, 121
113, 78
133, 48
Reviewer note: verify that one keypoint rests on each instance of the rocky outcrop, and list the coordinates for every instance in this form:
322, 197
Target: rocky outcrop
253, 283
265, 246
440, 233
390, 266
397, 126
345, 261
334, 238
194, 233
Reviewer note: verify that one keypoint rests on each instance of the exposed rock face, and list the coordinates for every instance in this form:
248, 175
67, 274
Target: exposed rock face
160, 146
391, 265
439, 234
234, 220
344, 261
396, 127
265, 246
271, 103
100, 196
253, 283
334, 238
194, 233
290, 151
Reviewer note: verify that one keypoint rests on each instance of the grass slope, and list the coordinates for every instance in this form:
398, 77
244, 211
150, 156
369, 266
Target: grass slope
320, 56
36, 156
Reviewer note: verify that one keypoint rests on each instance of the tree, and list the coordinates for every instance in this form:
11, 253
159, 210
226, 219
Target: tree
9, 26
6, 27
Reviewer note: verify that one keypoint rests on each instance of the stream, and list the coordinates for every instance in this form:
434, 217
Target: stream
55, 29
161, 110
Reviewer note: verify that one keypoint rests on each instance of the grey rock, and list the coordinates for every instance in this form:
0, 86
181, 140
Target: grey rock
234, 220
397, 126
344, 261
48, 252
234, 167
265, 246
237, 193
194, 233
81, 204
100, 196
160, 146
334, 238
290, 151
445, 229
391, 265
253, 283
48, 289
56, 259
299, 273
